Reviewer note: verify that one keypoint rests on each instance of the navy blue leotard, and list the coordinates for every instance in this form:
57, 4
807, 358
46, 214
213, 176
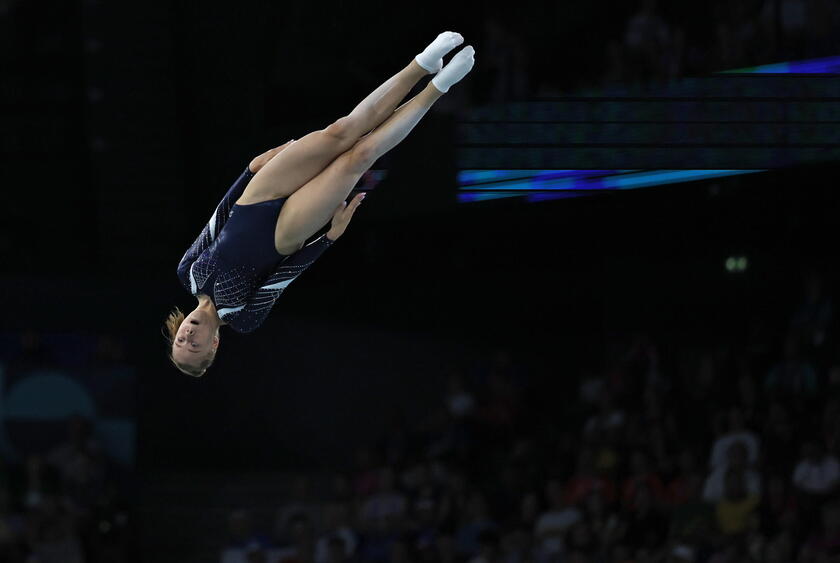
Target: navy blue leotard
235, 263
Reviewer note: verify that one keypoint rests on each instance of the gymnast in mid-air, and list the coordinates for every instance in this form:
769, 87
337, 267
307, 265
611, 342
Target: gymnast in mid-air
257, 240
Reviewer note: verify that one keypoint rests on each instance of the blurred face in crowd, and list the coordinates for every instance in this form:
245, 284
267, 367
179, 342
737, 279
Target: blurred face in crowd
831, 519
736, 419
638, 463
239, 525
335, 550
734, 486
554, 493
736, 455
776, 488
530, 507
594, 504
812, 451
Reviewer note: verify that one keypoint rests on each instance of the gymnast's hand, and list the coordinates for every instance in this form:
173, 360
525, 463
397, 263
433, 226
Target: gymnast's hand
341, 217
261, 160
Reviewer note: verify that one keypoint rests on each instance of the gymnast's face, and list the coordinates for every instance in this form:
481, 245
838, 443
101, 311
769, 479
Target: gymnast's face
197, 338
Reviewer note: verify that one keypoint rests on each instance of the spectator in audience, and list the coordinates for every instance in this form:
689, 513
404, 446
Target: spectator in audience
736, 461
815, 478
737, 505
779, 549
552, 525
692, 518
504, 77
476, 521
300, 501
529, 511
793, 376
741, 36
41, 482
582, 543
447, 548
300, 547
255, 553
831, 418
336, 529
700, 385
336, 551
810, 322
10, 526
608, 420
517, 546
748, 395
777, 504
386, 507
641, 475
737, 433
586, 479
687, 479
489, 550
647, 525
460, 402
681, 553
818, 472
823, 542
607, 526
652, 48
365, 477
779, 438
340, 488
425, 517
79, 447
52, 535
499, 409
241, 536
591, 388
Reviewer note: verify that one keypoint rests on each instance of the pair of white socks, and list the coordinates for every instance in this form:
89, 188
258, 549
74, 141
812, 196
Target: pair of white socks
431, 59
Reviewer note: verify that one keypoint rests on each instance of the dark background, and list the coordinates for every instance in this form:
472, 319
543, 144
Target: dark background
123, 124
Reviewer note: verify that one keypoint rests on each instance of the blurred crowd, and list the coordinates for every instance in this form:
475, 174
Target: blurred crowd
64, 501
62, 506
675, 450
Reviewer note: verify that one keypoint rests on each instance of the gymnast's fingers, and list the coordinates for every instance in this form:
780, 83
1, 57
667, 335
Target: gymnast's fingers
354, 204
283, 146
338, 210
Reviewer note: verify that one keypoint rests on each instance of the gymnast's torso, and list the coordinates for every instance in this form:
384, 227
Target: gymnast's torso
235, 263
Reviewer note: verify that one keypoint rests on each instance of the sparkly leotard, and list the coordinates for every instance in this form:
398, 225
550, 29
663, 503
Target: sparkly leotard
235, 263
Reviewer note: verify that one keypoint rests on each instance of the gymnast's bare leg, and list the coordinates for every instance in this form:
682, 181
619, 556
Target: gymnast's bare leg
309, 208
303, 159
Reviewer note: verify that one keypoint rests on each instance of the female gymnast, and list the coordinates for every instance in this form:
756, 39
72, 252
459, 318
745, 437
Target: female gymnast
255, 245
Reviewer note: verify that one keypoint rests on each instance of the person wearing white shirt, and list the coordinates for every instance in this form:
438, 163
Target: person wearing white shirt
818, 472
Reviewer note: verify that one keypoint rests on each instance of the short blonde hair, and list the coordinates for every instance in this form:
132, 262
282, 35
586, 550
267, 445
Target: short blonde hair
170, 330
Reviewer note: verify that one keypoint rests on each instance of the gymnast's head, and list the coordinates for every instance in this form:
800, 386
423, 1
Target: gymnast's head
193, 340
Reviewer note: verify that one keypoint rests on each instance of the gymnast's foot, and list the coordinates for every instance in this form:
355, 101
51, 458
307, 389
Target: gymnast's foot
432, 56
457, 69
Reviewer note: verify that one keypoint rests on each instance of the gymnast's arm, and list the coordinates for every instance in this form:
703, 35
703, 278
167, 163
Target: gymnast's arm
259, 304
341, 217
251, 315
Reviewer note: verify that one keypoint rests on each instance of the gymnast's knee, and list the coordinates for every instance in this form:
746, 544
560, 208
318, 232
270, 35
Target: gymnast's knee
361, 156
343, 131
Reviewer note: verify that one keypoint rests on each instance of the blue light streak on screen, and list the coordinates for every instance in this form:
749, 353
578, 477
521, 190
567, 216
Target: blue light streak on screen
826, 65
583, 181
537, 185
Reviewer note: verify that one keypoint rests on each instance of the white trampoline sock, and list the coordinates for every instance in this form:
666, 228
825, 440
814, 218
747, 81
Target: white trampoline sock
432, 56
457, 69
